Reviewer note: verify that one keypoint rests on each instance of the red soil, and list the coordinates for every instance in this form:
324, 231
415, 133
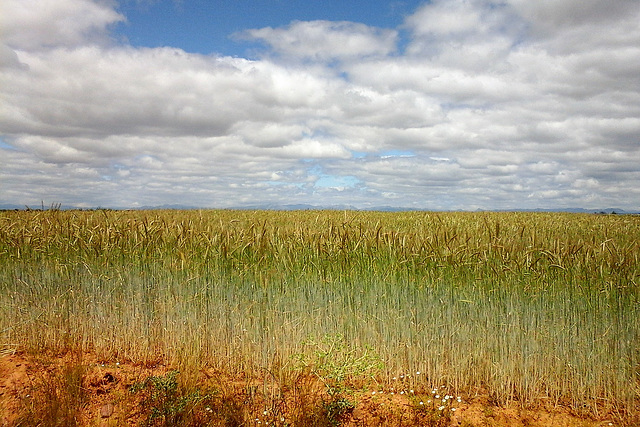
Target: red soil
28, 381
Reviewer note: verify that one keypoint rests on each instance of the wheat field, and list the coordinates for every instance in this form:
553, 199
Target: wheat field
528, 306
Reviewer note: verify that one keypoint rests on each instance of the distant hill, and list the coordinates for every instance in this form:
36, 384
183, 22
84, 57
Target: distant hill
302, 206
581, 210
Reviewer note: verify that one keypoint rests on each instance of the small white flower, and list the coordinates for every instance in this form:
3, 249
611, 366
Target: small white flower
459, 399
402, 392
422, 403
453, 409
411, 391
418, 373
441, 408
437, 396
264, 412
394, 378
373, 392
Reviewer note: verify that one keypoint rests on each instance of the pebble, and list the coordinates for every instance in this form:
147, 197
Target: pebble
107, 410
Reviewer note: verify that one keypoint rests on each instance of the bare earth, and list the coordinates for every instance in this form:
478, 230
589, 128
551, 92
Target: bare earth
25, 384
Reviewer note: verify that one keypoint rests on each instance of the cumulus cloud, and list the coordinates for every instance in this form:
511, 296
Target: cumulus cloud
325, 40
494, 105
548, 17
448, 18
37, 24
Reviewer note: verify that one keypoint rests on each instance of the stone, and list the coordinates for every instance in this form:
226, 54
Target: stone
107, 410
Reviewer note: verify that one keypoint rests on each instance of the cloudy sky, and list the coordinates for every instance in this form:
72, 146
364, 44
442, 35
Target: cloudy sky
443, 104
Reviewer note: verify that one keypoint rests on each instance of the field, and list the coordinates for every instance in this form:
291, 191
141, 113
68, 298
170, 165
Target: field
305, 317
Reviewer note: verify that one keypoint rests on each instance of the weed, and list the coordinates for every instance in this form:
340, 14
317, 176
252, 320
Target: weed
337, 407
335, 363
436, 408
165, 404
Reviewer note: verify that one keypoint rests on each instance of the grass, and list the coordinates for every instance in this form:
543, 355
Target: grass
56, 398
529, 306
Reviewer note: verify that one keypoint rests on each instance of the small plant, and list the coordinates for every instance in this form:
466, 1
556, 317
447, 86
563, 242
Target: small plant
436, 408
334, 364
166, 404
337, 406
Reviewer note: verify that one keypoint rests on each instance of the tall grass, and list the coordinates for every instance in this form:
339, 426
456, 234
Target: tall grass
525, 305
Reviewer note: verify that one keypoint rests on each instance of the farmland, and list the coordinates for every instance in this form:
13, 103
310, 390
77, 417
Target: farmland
532, 308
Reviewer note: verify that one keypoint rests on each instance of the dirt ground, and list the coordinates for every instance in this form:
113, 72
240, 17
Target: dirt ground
67, 389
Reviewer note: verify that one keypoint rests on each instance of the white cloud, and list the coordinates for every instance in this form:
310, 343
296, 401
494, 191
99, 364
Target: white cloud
558, 16
93, 90
447, 18
269, 134
36, 24
325, 40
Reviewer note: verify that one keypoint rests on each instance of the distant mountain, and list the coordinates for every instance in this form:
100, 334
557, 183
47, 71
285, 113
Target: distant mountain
176, 207
10, 207
581, 210
303, 206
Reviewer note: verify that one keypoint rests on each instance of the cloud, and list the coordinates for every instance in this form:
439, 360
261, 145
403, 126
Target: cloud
448, 18
549, 16
494, 105
123, 91
325, 40
36, 24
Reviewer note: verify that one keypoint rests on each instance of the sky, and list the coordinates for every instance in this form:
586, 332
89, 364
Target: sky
437, 105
